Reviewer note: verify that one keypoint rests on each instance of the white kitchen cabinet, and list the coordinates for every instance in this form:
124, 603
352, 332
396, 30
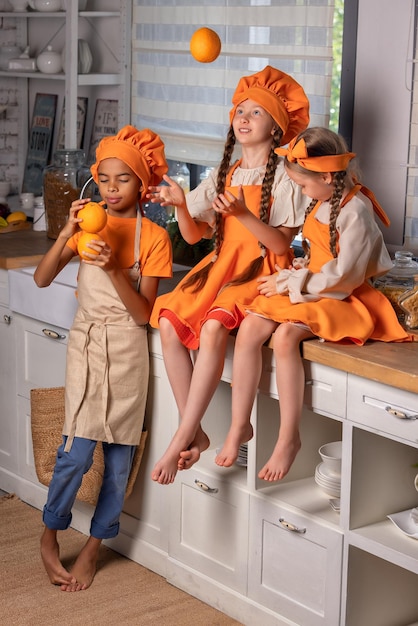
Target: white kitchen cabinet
295, 564
106, 27
8, 422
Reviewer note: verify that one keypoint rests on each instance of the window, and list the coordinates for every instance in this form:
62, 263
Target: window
187, 102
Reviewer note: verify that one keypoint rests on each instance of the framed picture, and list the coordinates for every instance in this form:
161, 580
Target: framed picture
105, 123
40, 141
81, 124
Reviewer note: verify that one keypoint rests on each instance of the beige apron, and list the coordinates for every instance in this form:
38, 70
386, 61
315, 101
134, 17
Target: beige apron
107, 362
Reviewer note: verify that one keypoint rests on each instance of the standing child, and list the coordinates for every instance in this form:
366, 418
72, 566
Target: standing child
107, 356
327, 294
254, 210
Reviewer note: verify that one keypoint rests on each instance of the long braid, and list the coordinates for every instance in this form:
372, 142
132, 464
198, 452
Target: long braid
339, 183
255, 267
198, 280
305, 243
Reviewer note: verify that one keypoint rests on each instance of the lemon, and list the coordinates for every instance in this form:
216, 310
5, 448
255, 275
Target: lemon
16, 216
205, 45
3, 222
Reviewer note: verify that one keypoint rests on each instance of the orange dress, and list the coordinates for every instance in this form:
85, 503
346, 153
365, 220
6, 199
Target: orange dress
188, 311
364, 313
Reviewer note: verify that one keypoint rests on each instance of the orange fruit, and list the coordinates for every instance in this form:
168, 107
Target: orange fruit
94, 217
205, 45
82, 246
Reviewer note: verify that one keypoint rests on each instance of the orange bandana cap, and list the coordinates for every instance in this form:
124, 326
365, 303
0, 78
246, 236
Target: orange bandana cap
296, 152
280, 95
142, 150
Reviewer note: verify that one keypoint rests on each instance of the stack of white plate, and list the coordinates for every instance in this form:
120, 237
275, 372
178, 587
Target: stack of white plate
242, 455
330, 482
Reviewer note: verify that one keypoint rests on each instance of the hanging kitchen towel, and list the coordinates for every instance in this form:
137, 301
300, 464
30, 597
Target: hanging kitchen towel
47, 419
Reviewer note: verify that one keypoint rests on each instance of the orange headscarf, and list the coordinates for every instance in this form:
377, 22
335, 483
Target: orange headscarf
280, 95
142, 150
296, 152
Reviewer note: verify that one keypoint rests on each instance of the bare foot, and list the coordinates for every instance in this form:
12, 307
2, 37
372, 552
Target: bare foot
281, 460
165, 469
191, 456
235, 437
84, 569
57, 573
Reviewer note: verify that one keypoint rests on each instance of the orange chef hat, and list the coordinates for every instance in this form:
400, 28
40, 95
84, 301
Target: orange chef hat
142, 150
280, 95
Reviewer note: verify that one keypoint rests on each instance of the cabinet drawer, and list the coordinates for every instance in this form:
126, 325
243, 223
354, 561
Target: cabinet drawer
295, 564
209, 527
374, 405
41, 354
325, 387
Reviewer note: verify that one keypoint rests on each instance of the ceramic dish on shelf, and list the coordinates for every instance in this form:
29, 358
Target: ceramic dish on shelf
405, 522
329, 483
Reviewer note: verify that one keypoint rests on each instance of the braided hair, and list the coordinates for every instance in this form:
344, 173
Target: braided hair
198, 279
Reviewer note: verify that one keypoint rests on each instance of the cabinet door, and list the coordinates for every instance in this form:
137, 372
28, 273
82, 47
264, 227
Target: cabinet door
209, 527
8, 427
146, 509
41, 354
26, 462
295, 564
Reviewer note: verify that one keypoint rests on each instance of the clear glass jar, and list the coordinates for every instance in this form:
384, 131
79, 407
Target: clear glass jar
62, 183
398, 280
409, 304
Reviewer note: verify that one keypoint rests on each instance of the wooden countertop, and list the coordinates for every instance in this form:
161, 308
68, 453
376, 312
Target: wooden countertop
394, 364
23, 248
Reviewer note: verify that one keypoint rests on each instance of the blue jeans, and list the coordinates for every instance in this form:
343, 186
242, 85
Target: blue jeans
68, 474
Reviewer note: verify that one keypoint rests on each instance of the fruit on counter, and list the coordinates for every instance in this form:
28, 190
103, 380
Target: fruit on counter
94, 217
4, 210
3, 222
82, 246
16, 217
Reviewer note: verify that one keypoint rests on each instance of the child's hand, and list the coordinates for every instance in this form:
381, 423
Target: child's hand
228, 204
71, 225
267, 285
102, 257
166, 195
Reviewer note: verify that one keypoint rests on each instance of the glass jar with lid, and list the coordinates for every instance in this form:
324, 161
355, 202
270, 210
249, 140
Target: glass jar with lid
398, 280
62, 183
409, 304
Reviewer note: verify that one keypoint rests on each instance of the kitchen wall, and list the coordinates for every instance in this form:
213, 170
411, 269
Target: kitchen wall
9, 124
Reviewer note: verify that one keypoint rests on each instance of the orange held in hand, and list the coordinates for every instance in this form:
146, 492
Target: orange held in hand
94, 217
82, 246
205, 45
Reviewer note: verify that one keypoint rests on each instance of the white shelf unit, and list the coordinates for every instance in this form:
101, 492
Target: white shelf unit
110, 75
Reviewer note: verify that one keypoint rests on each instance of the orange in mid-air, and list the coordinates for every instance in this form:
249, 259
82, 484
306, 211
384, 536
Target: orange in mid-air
82, 247
205, 45
94, 217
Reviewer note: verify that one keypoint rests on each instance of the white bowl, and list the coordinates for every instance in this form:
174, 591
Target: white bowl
330, 453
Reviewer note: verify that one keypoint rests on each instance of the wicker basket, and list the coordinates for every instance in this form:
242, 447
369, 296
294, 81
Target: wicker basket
47, 419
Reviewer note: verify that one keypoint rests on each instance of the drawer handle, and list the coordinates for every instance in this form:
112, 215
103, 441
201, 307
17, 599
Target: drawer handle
206, 487
52, 334
291, 527
401, 414
7, 319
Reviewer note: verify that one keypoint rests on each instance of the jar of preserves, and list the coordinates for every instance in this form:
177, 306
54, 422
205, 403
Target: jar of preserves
62, 183
398, 280
409, 304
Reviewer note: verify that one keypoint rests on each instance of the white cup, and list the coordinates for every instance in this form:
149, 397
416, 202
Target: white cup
27, 201
416, 482
19, 6
39, 222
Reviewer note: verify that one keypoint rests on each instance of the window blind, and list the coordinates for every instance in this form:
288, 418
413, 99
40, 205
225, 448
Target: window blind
187, 102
